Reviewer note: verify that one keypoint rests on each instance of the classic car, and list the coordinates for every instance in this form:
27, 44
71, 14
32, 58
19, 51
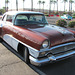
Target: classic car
34, 39
66, 16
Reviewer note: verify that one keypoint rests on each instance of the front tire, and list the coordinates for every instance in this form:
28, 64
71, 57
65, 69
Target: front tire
26, 55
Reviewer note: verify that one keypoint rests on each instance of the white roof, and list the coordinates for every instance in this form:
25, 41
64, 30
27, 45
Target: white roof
22, 12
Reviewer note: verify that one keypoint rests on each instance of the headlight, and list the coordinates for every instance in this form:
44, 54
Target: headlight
45, 44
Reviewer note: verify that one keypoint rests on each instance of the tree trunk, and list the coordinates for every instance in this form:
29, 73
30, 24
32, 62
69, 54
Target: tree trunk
23, 5
5, 5
16, 5
69, 5
57, 6
49, 7
43, 8
31, 5
64, 6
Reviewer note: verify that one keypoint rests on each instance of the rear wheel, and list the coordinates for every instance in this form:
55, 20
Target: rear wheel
26, 55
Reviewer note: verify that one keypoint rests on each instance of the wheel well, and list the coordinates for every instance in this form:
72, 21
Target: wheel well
21, 49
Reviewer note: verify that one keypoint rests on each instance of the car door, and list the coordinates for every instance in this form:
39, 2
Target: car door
8, 32
5, 31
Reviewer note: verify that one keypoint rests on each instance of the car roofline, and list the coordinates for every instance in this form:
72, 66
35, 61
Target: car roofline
22, 12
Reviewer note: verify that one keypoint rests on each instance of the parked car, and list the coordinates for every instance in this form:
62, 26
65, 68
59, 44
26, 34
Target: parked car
66, 16
34, 39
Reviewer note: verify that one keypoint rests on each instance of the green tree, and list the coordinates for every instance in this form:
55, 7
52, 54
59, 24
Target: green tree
39, 2
2, 11
43, 2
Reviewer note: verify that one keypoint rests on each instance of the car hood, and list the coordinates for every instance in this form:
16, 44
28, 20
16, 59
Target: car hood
56, 35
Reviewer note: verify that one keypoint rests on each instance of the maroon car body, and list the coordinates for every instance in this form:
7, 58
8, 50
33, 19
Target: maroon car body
38, 42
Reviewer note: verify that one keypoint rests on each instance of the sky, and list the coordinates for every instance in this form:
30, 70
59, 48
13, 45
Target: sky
27, 4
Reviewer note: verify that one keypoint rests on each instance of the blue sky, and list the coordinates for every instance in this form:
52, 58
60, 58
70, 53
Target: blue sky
27, 4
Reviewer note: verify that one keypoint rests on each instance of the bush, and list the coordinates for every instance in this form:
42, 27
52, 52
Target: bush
65, 13
71, 24
56, 13
73, 16
46, 15
61, 23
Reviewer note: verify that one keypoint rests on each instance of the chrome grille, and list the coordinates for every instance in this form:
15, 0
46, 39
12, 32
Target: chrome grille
62, 48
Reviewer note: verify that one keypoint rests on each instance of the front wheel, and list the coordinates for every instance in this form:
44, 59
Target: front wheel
26, 55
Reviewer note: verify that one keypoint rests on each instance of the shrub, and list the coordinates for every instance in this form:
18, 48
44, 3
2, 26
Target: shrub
73, 16
46, 15
56, 13
61, 23
70, 13
71, 24
65, 13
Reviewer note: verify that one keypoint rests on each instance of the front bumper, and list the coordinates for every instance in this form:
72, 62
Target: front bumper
51, 58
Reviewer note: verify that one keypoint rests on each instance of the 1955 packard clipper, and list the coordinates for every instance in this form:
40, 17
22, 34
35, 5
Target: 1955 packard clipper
34, 39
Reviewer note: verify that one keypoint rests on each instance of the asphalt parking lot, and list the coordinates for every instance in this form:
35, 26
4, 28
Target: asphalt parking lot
12, 64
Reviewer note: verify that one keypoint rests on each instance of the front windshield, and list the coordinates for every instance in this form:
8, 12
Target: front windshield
25, 19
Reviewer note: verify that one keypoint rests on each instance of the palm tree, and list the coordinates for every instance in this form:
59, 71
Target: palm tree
64, 4
39, 2
50, 2
16, 5
57, 6
43, 2
31, 5
23, 4
6, 4
54, 3
71, 2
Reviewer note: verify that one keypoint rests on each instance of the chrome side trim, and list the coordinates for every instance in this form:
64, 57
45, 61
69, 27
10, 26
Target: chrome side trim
50, 59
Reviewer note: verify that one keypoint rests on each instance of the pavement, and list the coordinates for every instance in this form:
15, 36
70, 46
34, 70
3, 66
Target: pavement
10, 64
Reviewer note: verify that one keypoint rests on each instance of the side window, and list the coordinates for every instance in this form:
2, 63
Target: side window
9, 18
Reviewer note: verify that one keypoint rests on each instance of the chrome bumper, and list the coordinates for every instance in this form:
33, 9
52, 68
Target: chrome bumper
50, 59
